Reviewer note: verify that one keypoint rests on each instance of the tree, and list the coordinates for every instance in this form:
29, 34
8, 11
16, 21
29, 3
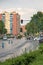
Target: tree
2, 27
36, 23
5, 31
31, 28
38, 19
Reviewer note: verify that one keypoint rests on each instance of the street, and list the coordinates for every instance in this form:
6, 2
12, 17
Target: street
15, 47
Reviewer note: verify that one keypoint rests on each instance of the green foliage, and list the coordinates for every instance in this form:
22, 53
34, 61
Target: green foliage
4, 31
19, 36
36, 23
10, 35
2, 28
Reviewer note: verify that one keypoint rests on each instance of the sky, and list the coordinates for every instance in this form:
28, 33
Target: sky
26, 8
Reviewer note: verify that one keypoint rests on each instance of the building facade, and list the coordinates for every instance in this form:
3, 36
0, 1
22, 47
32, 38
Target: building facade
22, 29
0, 16
11, 21
14, 23
6, 20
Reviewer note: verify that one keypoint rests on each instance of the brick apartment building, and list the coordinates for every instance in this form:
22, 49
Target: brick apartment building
11, 21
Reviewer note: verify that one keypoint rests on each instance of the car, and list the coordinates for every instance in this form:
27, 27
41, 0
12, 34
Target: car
4, 37
36, 38
41, 39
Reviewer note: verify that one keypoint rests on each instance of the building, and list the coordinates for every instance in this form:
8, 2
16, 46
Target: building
22, 29
0, 16
6, 20
14, 23
11, 21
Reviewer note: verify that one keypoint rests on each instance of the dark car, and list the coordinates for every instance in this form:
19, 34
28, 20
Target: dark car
41, 39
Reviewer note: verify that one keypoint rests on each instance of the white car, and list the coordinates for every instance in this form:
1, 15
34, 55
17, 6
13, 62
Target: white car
5, 37
36, 38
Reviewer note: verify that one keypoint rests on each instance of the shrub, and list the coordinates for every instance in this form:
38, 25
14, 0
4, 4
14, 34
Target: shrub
19, 36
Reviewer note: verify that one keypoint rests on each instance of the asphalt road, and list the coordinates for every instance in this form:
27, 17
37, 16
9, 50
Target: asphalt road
16, 47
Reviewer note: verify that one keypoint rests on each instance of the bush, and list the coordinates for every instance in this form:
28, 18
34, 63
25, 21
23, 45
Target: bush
19, 36
10, 36
1, 37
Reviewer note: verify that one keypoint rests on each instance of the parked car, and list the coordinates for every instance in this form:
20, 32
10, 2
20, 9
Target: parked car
41, 39
4, 37
37, 38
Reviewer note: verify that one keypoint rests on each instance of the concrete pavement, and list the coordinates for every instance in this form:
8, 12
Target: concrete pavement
16, 47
